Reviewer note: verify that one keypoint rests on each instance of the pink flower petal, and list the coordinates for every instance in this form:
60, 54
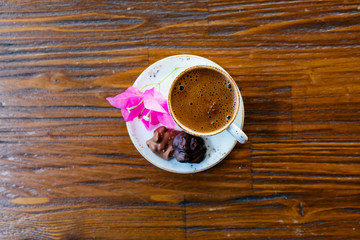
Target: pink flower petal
131, 97
151, 120
130, 115
151, 105
153, 100
130, 103
166, 120
145, 121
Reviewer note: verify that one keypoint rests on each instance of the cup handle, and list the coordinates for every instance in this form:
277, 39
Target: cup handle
237, 133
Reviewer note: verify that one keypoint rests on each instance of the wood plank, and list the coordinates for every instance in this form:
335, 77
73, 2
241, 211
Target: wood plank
81, 219
30, 114
40, 37
95, 18
303, 165
60, 89
326, 106
263, 17
93, 172
62, 127
275, 216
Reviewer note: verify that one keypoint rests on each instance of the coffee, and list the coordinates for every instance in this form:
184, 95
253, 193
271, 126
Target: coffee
203, 100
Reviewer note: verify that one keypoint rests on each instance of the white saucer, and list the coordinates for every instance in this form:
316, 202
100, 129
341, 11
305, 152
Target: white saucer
218, 146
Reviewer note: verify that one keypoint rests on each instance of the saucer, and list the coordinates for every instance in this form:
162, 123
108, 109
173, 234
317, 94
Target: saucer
218, 146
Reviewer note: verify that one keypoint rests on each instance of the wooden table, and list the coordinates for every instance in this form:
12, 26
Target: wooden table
68, 169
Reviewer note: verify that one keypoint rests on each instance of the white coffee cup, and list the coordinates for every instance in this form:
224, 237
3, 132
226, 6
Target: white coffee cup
229, 126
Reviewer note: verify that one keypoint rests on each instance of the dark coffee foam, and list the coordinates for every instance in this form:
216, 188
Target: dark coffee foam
203, 100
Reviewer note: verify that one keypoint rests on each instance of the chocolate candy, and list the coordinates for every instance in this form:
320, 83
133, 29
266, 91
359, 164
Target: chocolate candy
161, 142
188, 148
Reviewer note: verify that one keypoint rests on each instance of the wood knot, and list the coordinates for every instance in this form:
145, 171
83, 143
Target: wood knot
56, 78
55, 81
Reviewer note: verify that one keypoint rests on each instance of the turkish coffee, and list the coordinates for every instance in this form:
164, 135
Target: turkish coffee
203, 100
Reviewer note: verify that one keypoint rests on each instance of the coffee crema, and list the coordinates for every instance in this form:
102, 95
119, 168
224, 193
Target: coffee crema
203, 100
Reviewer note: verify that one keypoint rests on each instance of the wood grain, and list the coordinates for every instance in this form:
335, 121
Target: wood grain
276, 216
68, 169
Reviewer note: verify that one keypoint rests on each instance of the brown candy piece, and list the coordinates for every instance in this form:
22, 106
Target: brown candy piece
161, 142
189, 148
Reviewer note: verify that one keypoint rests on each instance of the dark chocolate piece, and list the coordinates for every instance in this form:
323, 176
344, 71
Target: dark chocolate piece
161, 142
188, 148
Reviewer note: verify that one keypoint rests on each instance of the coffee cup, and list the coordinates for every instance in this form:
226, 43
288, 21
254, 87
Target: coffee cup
204, 100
